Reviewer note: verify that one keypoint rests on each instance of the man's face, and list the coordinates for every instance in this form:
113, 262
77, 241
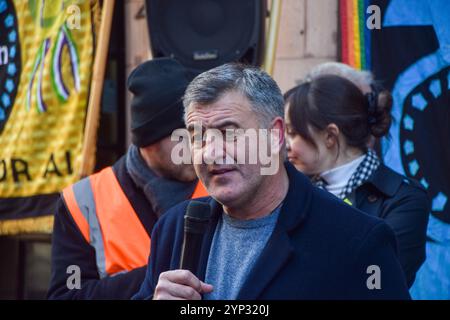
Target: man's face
161, 162
232, 184
180, 172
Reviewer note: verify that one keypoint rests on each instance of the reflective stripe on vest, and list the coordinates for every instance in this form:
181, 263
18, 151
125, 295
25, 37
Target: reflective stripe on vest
106, 217
109, 223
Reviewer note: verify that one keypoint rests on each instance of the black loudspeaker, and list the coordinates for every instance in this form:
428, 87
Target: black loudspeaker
202, 34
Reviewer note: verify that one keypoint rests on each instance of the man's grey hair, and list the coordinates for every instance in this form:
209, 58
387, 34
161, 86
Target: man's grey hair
256, 85
362, 79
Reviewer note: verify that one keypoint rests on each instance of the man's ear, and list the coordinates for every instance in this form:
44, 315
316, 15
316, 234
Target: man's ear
331, 135
279, 127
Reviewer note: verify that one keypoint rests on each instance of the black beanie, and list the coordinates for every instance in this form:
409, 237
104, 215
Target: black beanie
158, 86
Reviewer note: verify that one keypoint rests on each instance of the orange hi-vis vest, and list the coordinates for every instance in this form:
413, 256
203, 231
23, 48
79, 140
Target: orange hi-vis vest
109, 223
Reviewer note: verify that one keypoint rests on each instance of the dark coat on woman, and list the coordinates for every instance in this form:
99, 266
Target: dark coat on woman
404, 205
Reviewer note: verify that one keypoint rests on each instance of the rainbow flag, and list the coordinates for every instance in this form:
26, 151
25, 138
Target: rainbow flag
355, 36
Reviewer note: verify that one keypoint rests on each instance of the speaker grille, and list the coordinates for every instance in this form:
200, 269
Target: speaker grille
202, 34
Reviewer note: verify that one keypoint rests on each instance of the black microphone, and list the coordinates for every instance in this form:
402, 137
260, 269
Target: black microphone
196, 221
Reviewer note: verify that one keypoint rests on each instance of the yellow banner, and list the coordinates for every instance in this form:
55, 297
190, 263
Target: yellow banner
46, 59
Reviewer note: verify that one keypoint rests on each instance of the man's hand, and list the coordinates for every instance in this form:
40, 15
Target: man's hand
180, 285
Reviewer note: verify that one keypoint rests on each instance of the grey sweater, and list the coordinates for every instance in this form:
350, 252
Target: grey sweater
236, 246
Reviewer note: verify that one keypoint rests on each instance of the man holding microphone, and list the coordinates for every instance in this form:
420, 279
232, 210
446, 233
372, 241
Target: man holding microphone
270, 236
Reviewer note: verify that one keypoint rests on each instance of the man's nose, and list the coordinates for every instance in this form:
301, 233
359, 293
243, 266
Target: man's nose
213, 151
288, 144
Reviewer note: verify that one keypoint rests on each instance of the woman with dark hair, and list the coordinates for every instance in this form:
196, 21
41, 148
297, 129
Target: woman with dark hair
329, 122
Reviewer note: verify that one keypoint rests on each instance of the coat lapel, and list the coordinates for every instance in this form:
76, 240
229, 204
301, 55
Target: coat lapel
381, 185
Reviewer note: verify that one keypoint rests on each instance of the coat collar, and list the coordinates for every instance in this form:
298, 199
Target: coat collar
385, 180
297, 202
279, 248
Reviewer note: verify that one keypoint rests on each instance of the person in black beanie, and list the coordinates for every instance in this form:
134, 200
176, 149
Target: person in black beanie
101, 237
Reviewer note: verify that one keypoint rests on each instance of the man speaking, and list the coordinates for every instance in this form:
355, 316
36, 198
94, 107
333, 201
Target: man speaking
270, 236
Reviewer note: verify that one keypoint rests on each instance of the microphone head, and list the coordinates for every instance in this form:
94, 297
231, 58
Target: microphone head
197, 217
198, 210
